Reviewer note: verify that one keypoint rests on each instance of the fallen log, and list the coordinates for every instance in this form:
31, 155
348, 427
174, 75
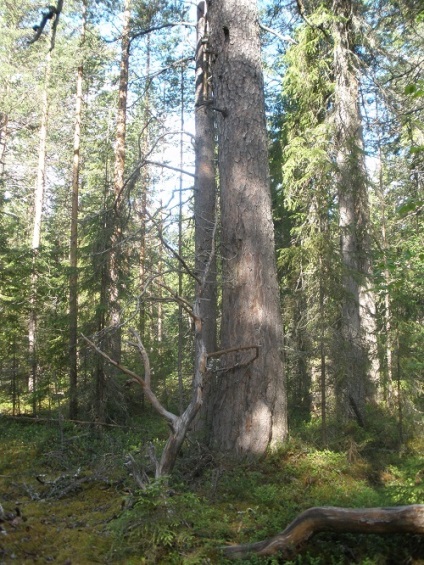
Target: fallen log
392, 520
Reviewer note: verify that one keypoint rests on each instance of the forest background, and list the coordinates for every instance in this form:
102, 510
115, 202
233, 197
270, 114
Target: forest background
98, 231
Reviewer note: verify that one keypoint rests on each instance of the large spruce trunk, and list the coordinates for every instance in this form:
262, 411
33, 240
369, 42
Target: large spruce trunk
359, 367
249, 410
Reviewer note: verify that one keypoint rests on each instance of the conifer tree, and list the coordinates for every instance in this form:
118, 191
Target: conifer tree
73, 253
249, 410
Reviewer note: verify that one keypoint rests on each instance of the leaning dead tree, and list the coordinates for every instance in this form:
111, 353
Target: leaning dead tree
392, 520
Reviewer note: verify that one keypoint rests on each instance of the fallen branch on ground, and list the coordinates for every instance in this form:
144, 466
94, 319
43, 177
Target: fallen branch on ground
393, 520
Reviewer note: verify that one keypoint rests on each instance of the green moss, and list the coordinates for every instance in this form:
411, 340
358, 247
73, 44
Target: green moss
96, 514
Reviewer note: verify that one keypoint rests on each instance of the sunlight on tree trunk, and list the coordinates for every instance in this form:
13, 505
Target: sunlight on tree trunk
249, 410
358, 381
205, 199
36, 235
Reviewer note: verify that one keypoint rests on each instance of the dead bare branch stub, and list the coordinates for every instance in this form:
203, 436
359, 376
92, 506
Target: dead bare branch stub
169, 417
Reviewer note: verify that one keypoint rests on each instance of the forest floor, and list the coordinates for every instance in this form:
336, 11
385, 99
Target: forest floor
68, 496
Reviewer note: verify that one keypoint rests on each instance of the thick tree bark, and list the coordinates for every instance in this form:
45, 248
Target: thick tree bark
358, 381
394, 520
249, 411
73, 252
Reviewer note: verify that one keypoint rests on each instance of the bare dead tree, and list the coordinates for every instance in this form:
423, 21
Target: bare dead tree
178, 425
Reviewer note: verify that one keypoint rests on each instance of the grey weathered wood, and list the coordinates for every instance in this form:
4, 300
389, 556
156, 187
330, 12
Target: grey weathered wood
392, 520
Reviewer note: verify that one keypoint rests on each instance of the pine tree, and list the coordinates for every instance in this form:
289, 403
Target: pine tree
249, 411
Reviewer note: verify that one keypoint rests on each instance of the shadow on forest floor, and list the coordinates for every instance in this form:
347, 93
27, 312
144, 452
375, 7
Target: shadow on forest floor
68, 498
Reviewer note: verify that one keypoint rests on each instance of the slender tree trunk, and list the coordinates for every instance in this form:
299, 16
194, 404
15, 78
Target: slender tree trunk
358, 381
180, 251
144, 189
249, 412
387, 319
205, 196
73, 254
399, 387
36, 235
14, 382
205, 182
103, 272
4, 120
160, 259
115, 258
323, 365
303, 384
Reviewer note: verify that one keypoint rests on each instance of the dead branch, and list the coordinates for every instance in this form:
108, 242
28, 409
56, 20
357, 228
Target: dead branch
215, 354
392, 520
175, 253
179, 62
179, 299
234, 350
178, 425
139, 474
165, 166
160, 27
145, 358
151, 397
283, 38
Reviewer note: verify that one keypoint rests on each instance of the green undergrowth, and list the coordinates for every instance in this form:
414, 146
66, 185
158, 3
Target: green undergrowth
69, 497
